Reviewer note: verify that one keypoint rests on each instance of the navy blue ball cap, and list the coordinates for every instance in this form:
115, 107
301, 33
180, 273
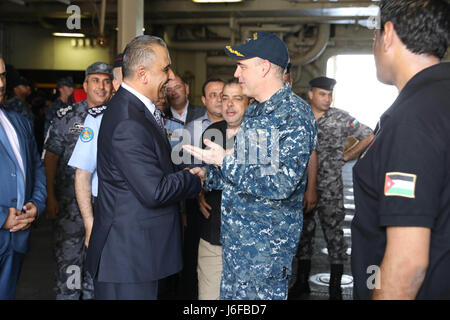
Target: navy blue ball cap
264, 45
323, 83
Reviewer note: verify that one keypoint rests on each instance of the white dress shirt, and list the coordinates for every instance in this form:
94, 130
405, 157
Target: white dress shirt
181, 117
148, 103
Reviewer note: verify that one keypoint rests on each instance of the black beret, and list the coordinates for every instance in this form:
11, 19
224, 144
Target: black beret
323, 83
17, 81
66, 81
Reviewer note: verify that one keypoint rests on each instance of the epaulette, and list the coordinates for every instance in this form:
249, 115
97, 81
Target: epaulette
63, 111
96, 111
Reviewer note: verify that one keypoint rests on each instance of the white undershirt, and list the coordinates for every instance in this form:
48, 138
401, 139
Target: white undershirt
181, 117
148, 103
13, 140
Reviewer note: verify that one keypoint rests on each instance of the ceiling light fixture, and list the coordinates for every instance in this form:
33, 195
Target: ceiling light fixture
20, 2
70, 35
216, 1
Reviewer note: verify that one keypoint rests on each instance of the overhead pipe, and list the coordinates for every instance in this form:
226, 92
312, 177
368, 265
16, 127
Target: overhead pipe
319, 47
316, 51
255, 20
102, 18
219, 45
197, 45
246, 31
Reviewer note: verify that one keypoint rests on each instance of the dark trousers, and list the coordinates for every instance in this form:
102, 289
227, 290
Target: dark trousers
10, 266
125, 291
188, 286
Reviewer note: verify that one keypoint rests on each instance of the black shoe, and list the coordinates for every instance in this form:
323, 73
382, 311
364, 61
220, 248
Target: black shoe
335, 289
301, 286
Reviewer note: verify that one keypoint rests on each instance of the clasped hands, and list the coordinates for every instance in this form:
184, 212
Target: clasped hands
21, 220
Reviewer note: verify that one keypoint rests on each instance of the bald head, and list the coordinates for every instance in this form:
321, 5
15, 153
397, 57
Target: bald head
2, 80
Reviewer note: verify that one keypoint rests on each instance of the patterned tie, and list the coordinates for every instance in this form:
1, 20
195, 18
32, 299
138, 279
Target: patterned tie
157, 115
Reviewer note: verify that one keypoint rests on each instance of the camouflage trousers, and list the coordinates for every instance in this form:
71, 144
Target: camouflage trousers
331, 214
72, 280
257, 288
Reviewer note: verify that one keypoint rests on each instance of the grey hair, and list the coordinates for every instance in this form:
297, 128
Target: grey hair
139, 52
117, 73
279, 72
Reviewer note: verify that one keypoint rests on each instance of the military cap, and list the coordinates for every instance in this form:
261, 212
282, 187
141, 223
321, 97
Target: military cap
323, 83
99, 67
118, 60
17, 81
265, 45
66, 81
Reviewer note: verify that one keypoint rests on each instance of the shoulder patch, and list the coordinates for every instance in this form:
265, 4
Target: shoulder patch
87, 134
354, 123
400, 184
63, 111
96, 111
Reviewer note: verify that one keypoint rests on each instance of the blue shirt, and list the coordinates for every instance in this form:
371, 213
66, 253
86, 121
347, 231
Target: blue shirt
84, 155
174, 130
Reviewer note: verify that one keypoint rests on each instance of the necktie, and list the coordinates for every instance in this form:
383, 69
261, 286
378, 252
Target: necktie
157, 115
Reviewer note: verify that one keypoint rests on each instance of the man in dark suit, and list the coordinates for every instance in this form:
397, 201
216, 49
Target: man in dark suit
180, 108
136, 236
22, 191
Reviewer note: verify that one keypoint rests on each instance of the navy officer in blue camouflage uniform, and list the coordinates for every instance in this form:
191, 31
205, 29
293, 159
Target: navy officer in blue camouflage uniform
71, 281
263, 177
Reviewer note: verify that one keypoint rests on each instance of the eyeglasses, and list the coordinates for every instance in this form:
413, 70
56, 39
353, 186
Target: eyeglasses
3, 74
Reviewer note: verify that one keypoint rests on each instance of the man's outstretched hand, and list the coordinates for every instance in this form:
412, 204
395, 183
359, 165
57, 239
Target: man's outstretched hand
214, 155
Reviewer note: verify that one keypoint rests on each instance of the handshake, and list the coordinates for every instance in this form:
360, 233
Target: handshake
200, 172
213, 155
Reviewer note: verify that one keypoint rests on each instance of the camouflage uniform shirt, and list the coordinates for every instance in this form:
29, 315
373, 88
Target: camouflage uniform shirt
63, 136
50, 114
334, 128
262, 200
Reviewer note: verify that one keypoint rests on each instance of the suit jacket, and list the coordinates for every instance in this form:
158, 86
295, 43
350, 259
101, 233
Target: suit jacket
136, 235
193, 112
35, 186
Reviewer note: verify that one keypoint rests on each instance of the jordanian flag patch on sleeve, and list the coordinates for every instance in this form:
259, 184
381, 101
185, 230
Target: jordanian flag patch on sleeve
400, 184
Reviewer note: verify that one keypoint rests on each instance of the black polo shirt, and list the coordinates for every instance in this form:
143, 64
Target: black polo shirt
210, 228
403, 179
